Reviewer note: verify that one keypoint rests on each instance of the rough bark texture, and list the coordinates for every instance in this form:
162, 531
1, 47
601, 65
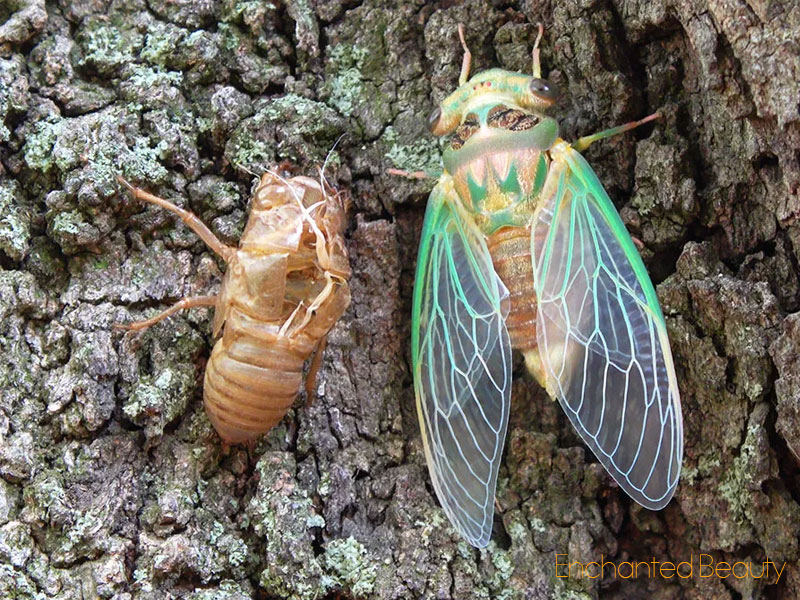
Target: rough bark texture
112, 481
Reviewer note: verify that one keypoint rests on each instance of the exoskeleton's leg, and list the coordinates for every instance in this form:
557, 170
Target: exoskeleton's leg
194, 223
466, 62
583, 143
330, 285
313, 369
191, 302
288, 323
409, 174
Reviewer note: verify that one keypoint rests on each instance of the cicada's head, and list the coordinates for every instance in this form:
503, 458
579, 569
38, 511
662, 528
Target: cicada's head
490, 91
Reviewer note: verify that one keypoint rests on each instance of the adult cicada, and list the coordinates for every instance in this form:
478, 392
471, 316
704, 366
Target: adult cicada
285, 286
522, 248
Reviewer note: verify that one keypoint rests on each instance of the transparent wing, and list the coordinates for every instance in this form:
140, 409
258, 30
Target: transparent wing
602, 336
462, 364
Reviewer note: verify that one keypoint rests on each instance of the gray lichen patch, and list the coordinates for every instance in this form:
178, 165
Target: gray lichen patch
282, 129
347, 559
14, 92
14, 221
106, 46
283, 516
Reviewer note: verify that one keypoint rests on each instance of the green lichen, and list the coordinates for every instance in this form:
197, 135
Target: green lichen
561, 593
705, 466
305, 131
14, 222
279, 513
247, 11
107, 47
45, 499
16, 543
346, 85
247, 149
349, 566
15, 585
422, 155
738, 479
162, 42
159, 399
227, 590
107, 158
504, 568
38, 148
146, 77
71, 229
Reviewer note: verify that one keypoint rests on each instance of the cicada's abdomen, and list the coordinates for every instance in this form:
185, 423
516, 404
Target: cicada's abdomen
510, 249
284, 289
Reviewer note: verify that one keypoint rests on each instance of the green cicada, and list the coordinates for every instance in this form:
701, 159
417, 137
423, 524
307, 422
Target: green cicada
522, 248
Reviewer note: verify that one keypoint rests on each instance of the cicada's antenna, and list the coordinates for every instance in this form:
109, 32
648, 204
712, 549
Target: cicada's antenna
537, 65
466, 62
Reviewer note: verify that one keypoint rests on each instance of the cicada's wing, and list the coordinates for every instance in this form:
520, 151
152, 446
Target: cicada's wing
462, 363
602, 336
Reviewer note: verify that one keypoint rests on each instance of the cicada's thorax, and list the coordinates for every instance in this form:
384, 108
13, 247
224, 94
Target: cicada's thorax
498, 160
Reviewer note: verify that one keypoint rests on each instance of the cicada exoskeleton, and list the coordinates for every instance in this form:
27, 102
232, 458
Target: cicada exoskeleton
285, 286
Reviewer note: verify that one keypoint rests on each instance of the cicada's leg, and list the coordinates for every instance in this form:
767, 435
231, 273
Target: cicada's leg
583, 143
191, 219
537, 65
466, 62
313, 369
191, 302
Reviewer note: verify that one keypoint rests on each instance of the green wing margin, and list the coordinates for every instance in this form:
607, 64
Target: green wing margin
602, 335
461, 356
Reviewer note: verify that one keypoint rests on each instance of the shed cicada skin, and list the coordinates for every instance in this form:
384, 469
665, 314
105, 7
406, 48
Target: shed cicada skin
522, 248
285, 286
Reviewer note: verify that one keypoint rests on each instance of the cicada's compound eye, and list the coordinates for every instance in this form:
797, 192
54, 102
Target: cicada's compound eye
433, 120
543, 90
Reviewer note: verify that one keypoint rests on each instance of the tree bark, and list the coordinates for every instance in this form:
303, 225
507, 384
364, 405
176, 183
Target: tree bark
113, 483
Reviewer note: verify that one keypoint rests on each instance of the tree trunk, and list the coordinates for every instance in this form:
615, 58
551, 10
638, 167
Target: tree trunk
113, 483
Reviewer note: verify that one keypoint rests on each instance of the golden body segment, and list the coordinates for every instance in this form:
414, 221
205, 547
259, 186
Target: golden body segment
510, 248
283, 290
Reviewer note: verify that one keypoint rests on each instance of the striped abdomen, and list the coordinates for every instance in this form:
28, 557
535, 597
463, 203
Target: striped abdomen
510, 248
252, 377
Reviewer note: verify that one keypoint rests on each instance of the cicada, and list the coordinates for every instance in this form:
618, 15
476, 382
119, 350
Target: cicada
285, 287
522, 248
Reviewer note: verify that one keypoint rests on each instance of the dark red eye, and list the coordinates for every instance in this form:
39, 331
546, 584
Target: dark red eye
541, 88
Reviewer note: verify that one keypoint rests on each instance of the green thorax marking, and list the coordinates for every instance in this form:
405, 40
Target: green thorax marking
500, 173
498, 156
